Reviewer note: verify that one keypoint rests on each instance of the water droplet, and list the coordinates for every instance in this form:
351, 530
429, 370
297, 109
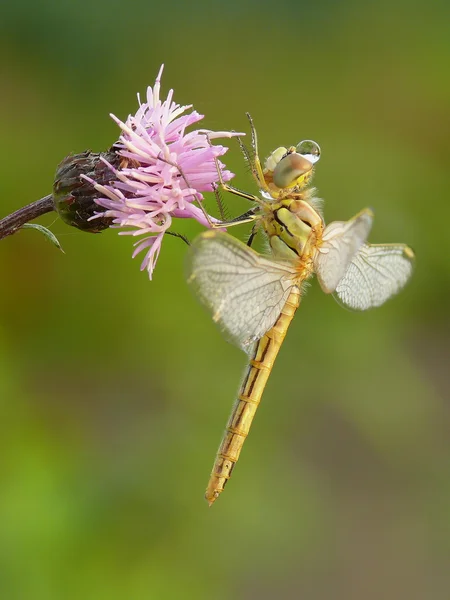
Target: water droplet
309, 149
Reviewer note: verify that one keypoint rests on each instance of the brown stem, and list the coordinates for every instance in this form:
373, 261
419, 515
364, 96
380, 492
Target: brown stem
14, 221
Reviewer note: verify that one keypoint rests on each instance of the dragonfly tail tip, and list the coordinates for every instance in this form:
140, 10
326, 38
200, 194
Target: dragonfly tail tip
211, 498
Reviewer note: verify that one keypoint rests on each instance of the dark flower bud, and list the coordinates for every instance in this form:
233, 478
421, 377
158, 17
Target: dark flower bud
75, 197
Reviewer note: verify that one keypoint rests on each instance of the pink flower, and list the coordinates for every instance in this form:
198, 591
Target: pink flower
166, 171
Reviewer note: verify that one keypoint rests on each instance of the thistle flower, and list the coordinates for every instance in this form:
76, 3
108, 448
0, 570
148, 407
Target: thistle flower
165, 170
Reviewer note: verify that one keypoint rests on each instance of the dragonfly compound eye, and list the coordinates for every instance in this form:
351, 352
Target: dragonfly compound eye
309, 149
273, 159
290, 169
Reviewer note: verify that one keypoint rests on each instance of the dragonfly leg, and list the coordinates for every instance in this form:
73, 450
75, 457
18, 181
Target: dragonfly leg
230, 188
255, 163
222, 186
237, 192
179, 235
248, 217
219, 202
252, 236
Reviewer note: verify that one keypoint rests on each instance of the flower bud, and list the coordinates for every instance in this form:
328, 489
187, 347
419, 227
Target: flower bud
75, 197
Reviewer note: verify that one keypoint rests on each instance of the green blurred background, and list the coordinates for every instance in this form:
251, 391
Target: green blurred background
115, 390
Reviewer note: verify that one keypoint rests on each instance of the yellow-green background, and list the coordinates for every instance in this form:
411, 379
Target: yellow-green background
115, 390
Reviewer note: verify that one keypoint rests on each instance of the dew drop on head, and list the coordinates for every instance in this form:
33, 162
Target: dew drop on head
309, 149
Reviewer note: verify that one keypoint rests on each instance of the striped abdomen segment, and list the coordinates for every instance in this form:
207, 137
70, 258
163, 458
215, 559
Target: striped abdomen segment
261, 363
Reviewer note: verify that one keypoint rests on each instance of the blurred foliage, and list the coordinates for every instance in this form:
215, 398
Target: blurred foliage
114, 390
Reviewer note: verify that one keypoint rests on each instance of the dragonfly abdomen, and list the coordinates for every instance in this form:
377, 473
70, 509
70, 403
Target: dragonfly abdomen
247, 402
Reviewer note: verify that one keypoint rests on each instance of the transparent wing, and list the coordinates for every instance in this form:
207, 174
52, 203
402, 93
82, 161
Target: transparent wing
244, 291
341, 240
375, 274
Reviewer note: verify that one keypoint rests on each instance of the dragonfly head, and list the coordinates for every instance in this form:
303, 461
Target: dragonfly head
292, 167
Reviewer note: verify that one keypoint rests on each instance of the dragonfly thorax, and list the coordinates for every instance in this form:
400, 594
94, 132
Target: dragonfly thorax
292, 227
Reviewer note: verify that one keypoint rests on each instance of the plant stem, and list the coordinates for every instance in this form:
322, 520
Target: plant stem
14, 221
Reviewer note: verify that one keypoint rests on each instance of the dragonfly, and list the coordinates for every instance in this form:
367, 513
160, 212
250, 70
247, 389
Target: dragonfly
253, 297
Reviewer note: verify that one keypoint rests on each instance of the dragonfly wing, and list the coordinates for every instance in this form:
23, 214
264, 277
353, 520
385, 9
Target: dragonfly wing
341, 240
244, 291
375, 274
